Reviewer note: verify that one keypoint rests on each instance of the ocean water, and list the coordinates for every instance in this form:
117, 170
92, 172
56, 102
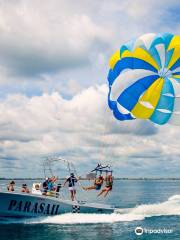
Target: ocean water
155, 207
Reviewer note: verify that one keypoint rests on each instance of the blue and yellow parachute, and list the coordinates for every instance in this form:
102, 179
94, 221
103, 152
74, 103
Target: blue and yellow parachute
144, 79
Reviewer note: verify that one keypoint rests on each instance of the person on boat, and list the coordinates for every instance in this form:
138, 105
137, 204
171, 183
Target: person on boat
98, 182
24, 188
10, 186
36, 189
49, 184
52, 186
45, 186
72, 180
108, 187
54, 180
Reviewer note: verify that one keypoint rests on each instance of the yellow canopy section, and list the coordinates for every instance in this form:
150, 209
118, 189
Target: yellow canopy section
174, 42
176, 76
113, 60
148, 101
141, 54
175, 56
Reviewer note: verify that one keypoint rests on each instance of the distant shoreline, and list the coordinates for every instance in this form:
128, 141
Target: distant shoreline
116, 178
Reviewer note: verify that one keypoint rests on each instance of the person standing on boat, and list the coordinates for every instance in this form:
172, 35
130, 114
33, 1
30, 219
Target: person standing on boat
72, 180
45, 186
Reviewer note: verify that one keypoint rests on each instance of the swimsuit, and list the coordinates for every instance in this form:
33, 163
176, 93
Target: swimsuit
98, 186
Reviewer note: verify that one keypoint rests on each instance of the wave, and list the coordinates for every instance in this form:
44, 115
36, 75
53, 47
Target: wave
167, 208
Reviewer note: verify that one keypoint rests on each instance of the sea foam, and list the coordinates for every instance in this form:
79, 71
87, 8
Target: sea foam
167, 208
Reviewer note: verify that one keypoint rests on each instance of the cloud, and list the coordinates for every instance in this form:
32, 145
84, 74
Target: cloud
53, 67
81, 129
41, 38
65, 47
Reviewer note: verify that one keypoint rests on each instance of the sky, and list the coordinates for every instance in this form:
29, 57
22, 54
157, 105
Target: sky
53, 87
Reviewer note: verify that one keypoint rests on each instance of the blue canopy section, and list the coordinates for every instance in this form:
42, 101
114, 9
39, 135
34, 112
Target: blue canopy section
176, 65
154, 53
168, 57
166, 103
118, 115
130, 96
164, 38
128, 63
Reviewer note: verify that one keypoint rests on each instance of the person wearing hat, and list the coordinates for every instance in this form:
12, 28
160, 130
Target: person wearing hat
45, 186
24, 188
72, 180
10, 187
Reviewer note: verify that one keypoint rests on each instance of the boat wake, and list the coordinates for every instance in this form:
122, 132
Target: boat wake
167, 208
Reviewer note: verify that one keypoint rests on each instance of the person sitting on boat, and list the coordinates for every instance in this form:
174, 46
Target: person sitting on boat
72, 180
24, 188
108, 187
97, 184
10, 187
51, 186
54, 180
36, 189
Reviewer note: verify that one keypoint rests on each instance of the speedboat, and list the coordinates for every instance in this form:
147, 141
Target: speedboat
35, 204
13, 204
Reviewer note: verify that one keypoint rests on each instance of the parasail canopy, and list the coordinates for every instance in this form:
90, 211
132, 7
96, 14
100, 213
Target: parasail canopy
144, 79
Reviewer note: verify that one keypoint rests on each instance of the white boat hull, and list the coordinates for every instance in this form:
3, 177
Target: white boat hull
29, 205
